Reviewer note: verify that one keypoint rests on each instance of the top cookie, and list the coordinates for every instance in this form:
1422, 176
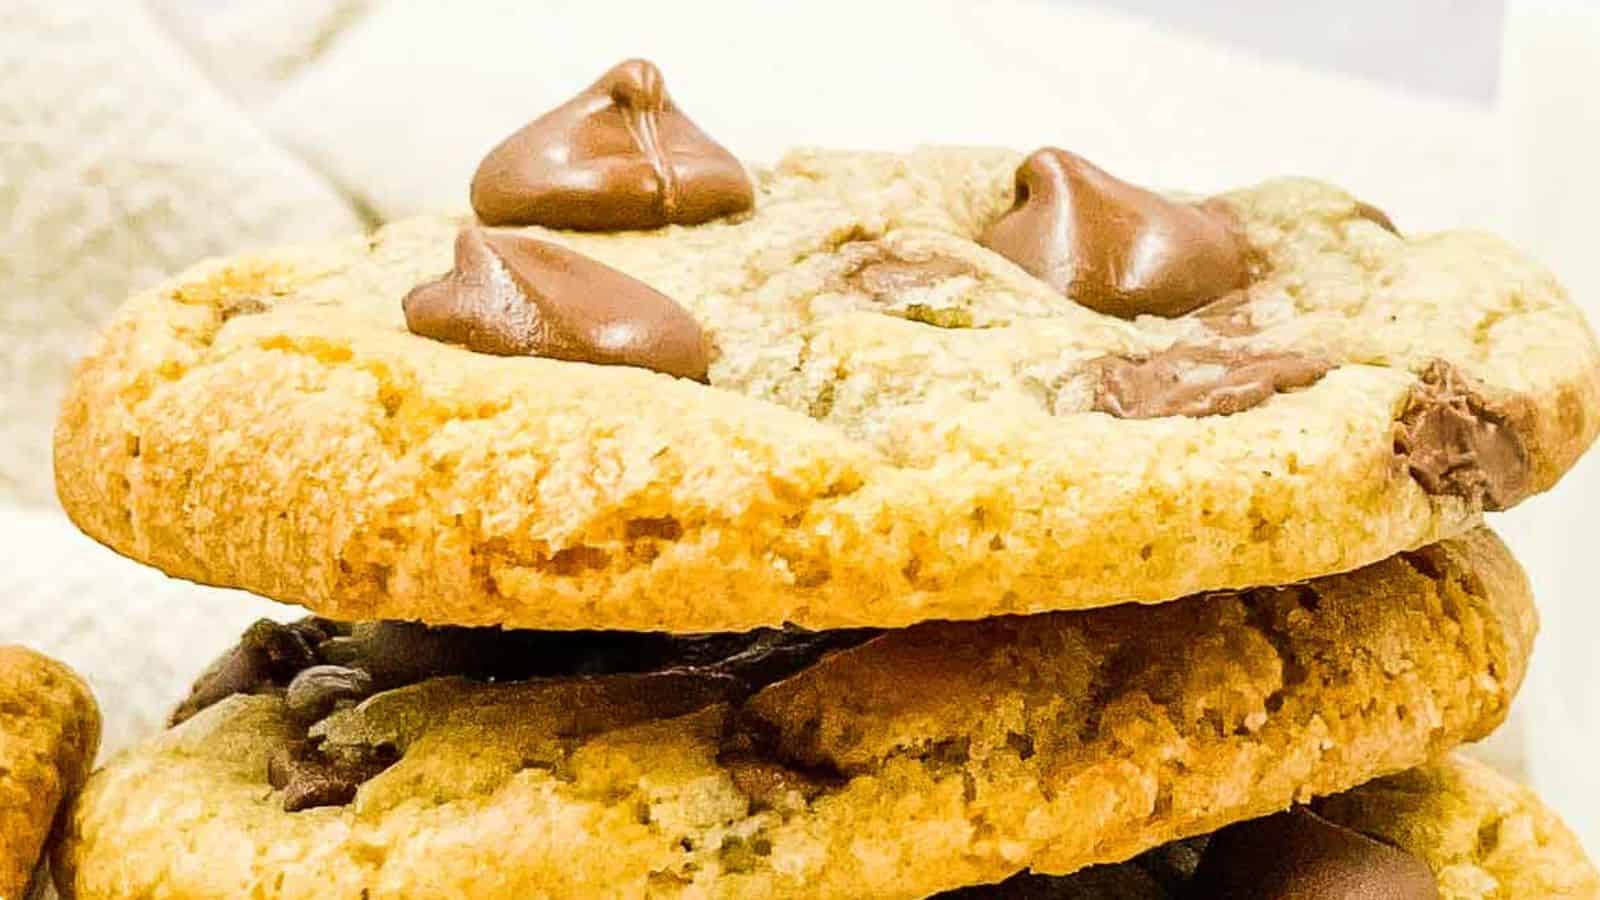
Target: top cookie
950, 383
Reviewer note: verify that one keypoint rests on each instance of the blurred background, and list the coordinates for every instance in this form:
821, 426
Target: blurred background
137, 137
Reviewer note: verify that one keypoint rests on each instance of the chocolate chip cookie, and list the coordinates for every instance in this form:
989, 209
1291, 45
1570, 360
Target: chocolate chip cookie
645, 387
49, 731
387, 759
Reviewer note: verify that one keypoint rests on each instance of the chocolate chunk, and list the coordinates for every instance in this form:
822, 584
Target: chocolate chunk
1298, 855
620, 155
515, 296
1114, 247
308, 778
1453, 443
319, 690
1196, 380
265, 659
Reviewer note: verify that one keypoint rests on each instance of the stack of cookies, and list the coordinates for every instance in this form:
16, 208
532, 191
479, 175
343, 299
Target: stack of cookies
874, 525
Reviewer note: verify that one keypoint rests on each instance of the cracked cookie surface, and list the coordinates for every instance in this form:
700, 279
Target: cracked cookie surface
910, 762
899, 425
49, 732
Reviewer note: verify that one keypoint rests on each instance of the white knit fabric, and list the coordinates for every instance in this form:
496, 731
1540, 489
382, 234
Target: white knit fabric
119, 162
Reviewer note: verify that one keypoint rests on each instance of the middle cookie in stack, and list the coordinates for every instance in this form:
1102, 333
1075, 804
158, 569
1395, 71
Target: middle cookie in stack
841, 764
833, 478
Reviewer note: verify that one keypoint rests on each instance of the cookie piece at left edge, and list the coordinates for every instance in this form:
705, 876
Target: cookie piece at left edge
898, 765
49, 732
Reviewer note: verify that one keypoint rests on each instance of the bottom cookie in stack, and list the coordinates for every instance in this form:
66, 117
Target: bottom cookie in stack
385, 760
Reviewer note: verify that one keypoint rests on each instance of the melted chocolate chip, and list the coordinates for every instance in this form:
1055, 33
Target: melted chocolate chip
319, 690
328, 667
1194, 380
1298, 855
620, 155
511, 295
266, 658
309, 778
1114, 247
1453, 443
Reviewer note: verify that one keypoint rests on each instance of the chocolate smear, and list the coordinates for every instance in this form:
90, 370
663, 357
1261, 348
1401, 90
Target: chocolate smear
1198, 380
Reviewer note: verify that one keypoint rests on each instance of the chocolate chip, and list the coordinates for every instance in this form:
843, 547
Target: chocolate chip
1196, 380
1302, 856
620, 155
1114, 247
319, 664
317, 691
265, 659
511, 295
1453, 443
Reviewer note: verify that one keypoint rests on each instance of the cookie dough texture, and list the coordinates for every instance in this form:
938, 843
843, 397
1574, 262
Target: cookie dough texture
1485, 837
928, 758
49, 731
877, 446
